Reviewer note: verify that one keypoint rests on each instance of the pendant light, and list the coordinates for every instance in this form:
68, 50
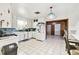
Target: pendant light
37, 13
51, 15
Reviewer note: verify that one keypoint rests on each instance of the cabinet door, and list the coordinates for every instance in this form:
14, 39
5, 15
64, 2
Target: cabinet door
35, 35
30, 34
20, 36
26, 35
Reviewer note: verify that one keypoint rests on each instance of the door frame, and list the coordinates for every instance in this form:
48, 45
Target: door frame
65, 21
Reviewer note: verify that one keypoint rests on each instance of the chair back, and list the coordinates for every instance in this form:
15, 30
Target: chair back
66, 40
10, 49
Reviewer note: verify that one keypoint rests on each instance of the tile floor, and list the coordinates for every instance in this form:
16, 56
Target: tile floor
53, 45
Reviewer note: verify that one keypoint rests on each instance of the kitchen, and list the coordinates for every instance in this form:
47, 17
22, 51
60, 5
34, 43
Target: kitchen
12, 31
24, 26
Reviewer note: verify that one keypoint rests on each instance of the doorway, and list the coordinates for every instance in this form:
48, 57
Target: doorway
56, 27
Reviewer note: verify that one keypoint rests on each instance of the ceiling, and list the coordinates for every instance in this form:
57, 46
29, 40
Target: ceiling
28, 9
61, 10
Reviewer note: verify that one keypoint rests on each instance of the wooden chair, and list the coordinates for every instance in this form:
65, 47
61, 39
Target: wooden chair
10, 49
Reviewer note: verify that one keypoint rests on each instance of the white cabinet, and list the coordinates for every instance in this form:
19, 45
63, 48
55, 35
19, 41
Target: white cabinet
5, 14
30, 35
22, 35
26, 36
38, 36
35, 34
42, 34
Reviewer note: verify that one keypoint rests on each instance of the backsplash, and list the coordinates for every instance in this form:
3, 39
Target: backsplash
7, 30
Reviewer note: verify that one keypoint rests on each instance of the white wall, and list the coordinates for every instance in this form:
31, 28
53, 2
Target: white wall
61, 10
67, 10
21, 12
7, 17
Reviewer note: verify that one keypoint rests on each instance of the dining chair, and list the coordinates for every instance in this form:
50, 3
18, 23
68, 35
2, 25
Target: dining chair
10, 49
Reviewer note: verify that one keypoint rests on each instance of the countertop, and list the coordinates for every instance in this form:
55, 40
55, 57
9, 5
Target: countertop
7, 40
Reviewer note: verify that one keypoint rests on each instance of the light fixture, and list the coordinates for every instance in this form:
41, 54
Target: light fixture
37, 14
51, 15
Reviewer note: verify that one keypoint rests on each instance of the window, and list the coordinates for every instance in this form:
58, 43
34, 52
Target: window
21, 24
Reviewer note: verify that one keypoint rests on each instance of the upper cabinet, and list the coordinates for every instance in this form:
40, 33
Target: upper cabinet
5, 15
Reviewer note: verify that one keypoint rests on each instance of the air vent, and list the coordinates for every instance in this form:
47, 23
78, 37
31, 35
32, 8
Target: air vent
37, 12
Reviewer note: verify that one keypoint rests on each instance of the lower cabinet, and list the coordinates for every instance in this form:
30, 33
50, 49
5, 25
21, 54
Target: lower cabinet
26, 36
23, 35
39, 36
29, 35
20, 36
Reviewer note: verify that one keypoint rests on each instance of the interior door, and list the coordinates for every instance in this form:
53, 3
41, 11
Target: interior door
48, 29
57, 29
